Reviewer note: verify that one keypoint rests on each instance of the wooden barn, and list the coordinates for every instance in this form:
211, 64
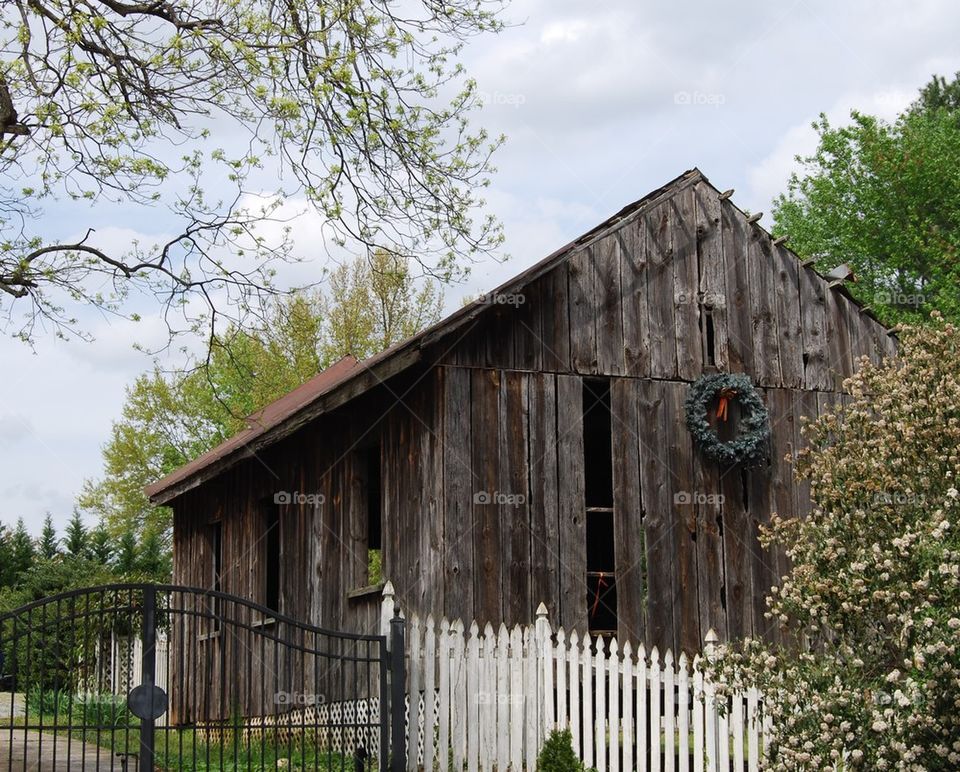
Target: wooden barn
533, 446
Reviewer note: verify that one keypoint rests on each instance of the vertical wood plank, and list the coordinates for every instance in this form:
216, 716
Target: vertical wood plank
789, 320
575, 680
586, 665
554, 291
444, 686
626, 699
458, 493
583, 310
429, 694
739, 318
813, 319
414, 672
686, 289
613, 707
610, 340
669, 723
633, 293
516, 698
472, 724
766, 343
713, 279
543, 502
630, 549
658, 242
573, 559
531, 700
657, 495
600, 705
683, 713
655, 725
487, 535
488, 706
500, 697
698, 715
643, 692
514, 508
559, 657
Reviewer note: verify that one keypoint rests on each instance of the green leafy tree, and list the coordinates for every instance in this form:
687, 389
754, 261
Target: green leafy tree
168, 419
373, 304
885, 198
362, 109
49, 543
873, 588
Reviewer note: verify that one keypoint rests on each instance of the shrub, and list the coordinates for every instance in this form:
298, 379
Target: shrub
557, 754
871, 678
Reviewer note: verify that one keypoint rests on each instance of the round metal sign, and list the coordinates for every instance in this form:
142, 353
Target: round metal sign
147, 702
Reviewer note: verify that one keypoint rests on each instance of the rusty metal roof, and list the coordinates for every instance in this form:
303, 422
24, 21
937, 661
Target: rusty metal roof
260, 422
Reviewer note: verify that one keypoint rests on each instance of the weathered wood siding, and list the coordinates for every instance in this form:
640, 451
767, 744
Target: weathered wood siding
482, 448
634, 300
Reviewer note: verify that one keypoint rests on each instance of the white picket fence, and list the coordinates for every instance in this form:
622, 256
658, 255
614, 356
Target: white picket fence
487, 699
126, 659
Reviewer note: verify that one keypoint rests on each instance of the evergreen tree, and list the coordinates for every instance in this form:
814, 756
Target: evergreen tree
48, 539
75, 540
22, 553
6, 558
152, 559
126, 555
100, 545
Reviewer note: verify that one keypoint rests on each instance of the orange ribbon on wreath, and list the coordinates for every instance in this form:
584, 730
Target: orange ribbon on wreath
725, 396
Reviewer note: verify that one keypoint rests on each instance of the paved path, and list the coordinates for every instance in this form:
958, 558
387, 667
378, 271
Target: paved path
58, 753
53, 753
22, 750
10, 705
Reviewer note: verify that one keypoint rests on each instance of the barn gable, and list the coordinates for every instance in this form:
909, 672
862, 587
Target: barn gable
682, 284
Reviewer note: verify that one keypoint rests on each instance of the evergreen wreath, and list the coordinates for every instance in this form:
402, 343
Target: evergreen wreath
749, 447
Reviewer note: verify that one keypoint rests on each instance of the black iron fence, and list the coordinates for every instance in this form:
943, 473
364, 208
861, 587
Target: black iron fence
148, 677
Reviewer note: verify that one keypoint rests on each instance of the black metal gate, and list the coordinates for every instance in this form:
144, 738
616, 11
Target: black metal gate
159, 677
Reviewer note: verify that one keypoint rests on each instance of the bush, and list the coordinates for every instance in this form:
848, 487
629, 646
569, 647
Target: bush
872, 680
557, 754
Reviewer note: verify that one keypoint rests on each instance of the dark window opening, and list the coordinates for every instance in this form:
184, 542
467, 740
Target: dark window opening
597, 444
602, 603
374, 494
598, 500
709, 338
272, 550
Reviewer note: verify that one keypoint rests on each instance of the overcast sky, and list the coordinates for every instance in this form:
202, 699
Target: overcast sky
601, 103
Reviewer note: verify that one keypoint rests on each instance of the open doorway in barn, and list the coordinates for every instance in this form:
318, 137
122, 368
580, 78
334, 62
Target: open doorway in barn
598, 488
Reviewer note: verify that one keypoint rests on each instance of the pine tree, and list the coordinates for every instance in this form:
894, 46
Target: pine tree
22, 553
100, 545
126, 556
76, 540
48, 539
152, 560
6, 558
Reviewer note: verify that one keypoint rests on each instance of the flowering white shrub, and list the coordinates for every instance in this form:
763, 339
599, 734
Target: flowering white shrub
871, 676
